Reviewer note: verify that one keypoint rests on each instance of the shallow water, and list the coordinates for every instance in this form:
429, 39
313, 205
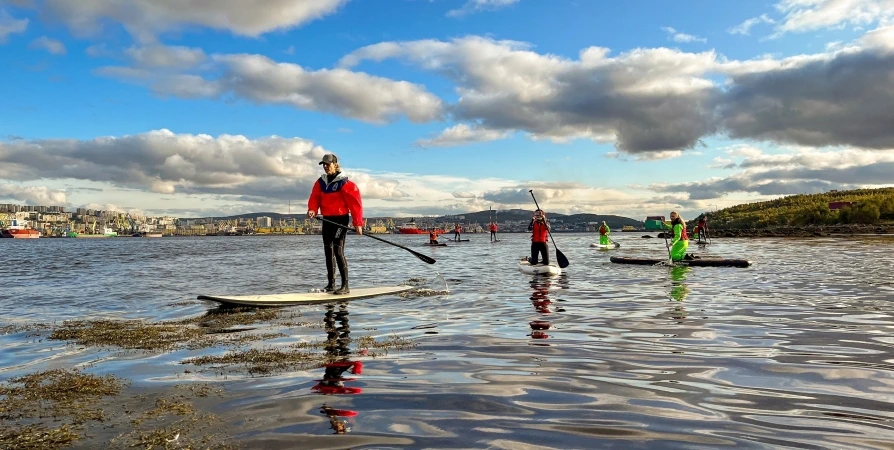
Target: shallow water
795, 351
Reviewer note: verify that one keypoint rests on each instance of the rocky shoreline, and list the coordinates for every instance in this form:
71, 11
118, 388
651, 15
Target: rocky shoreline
805, 231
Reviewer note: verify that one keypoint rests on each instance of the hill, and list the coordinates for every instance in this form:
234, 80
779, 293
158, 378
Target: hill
859, 206
481, 217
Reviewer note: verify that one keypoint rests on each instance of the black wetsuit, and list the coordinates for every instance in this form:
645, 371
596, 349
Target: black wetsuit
334, 245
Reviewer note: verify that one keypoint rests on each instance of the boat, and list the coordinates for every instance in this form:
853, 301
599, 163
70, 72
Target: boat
108, 232
697, 262
411, 228
628, 228
19, 231
147, 231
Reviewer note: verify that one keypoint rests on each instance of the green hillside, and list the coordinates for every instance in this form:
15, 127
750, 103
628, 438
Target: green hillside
870, 206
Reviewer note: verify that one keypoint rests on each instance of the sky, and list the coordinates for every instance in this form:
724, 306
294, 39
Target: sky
215, 107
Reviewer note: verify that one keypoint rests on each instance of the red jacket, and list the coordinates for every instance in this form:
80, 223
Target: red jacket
602, 230
540, 231
493, 227
337, 198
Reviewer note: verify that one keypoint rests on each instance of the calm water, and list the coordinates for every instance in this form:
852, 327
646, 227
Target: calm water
794, 352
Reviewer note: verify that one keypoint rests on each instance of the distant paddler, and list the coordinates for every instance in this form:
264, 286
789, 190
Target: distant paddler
433, 237
702, 235
604, 232
493, 231
335, 196
457, 231
680, 243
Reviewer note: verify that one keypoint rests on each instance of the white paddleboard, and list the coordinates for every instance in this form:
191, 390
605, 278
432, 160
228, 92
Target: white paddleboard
303, 298
603, 246
539, 269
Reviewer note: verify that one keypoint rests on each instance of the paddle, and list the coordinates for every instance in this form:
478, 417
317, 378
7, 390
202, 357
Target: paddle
424, 258
560, 257
617, 245
670, 259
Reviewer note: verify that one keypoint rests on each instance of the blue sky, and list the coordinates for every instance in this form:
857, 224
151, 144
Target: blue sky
442, 106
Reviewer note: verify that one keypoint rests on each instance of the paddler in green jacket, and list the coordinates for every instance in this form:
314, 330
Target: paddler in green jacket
604, 231
680, 242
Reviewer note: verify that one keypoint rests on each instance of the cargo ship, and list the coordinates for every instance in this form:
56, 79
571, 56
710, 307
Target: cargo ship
411, 228
19, 231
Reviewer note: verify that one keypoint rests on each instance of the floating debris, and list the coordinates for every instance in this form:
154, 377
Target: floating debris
34, 437
194, 333
57, 393
423, 292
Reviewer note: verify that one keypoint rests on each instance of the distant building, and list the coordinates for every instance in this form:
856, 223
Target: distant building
835, 206
265, 222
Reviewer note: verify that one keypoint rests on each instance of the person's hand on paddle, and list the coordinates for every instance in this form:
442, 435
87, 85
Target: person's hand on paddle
311, 214
358, 229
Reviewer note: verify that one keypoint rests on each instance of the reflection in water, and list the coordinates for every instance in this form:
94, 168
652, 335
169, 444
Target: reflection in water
787, 353
679, 290
541, 301
334, 383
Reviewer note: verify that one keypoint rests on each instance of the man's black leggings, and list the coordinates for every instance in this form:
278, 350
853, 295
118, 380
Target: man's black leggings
334, 247
542, 249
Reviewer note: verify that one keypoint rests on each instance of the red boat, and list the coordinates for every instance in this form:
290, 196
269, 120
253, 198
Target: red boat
411, 228
19, 231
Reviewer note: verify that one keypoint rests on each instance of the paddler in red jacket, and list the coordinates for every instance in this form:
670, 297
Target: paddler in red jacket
334, 196
539, 228
493, 231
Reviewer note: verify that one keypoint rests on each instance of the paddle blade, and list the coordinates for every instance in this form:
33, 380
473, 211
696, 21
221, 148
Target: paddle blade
560, 257
424, 258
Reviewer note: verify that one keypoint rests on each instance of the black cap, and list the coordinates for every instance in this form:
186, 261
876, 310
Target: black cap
329, 158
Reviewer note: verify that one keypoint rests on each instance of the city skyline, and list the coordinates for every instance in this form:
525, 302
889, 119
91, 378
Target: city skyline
440, 107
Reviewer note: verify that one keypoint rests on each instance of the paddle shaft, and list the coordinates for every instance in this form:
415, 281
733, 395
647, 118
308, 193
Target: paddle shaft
670, 258
559, 255
424, 258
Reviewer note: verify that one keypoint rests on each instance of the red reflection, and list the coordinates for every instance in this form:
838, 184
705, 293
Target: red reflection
334, 382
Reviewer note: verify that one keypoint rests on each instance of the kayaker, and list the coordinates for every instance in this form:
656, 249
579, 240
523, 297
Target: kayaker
493, 231
539, 228
680, 243
604, 231
334, 196
456, 232
432, 237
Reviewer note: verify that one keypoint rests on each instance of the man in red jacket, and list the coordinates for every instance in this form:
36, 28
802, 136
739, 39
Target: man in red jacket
539, 227
335, 196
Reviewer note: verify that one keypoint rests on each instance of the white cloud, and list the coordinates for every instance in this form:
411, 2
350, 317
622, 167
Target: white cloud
10, 25
803, 170
745, 150
259, 79
145, 19
201, 175
721, 163
744, 28
809, 15
474, 6
51, 45
677, 36
462, 134
645, 100
33, 195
